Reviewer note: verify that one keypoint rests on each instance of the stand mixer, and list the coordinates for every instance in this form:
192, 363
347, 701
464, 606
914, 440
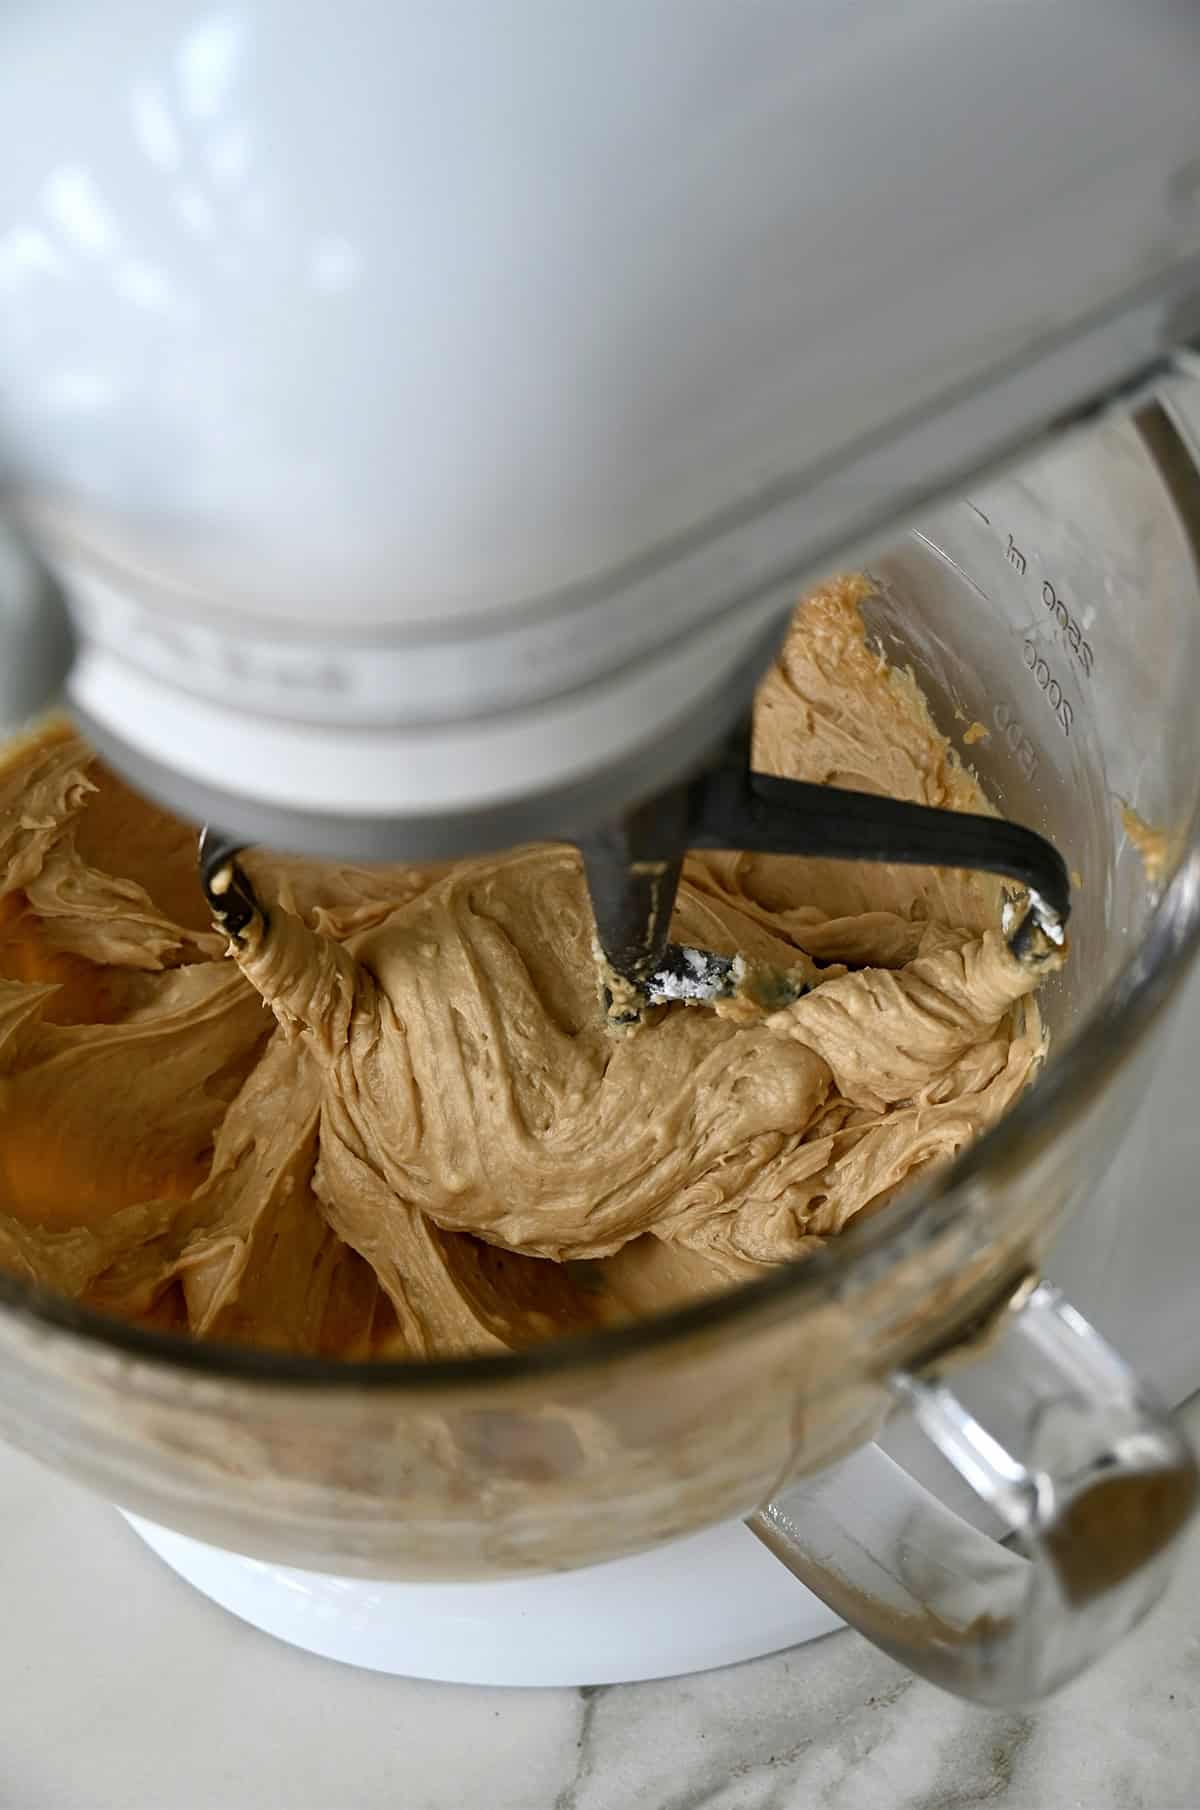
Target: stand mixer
416, 424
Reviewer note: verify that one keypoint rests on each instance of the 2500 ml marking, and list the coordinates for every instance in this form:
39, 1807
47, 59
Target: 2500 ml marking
1081, 649
1049, 685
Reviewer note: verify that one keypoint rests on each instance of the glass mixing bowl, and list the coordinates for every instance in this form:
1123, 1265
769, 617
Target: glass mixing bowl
1060, 610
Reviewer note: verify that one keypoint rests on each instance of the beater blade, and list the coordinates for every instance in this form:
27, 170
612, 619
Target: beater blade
633, 867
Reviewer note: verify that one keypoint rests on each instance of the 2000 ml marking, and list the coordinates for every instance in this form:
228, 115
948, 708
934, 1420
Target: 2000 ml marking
1049, 686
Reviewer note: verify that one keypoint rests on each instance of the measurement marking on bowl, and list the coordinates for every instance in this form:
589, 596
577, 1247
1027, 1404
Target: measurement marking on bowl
1052, 689
1018, 743
1071, 627
1066, 622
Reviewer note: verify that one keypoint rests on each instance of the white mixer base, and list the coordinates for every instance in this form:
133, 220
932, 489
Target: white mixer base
710, 1600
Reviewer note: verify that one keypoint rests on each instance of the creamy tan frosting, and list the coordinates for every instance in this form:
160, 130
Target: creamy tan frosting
395, 1122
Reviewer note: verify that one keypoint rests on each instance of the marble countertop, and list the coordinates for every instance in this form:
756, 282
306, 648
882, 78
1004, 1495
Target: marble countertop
121, 1687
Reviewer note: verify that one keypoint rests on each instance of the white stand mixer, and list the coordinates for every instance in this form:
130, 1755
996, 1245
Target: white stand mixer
415, 424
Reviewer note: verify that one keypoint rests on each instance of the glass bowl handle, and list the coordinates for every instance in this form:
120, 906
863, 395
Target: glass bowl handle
1094, 1492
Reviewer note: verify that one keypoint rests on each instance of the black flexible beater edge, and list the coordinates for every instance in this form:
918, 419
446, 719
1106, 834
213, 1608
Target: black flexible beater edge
632, 865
